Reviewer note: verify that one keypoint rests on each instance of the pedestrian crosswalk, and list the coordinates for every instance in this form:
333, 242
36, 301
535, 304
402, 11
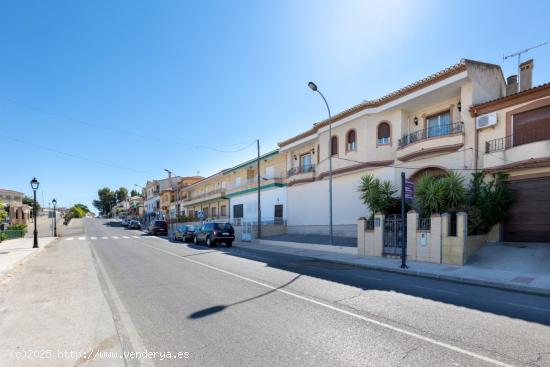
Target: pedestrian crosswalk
95, 238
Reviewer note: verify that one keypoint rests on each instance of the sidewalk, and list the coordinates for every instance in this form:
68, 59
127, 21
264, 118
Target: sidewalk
469, 274
54, 312
15, 252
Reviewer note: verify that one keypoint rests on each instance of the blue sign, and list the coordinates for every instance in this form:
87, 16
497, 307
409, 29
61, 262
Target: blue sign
409, 189
200, 215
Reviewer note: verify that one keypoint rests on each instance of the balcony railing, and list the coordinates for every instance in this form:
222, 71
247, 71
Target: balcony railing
431, 132
206, 194
253, 181
301, 169
519, 138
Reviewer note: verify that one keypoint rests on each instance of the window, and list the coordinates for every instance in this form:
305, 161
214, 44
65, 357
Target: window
214, 211
439, 125
305, 162
351, 141
384, 133
223, 210
238, 211
334, 145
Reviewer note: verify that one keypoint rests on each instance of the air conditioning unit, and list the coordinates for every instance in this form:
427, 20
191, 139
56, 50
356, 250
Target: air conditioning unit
486, 120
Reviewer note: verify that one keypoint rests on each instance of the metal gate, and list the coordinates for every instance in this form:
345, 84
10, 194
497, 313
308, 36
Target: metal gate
392, 234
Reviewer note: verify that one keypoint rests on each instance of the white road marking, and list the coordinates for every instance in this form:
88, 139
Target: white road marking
104, 238
437, 290
69, 238
125, 237
114, 237
81, 238
529, 307
93, 238
349, 313
135, 236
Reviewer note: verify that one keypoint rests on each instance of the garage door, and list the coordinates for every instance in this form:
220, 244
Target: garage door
529, 216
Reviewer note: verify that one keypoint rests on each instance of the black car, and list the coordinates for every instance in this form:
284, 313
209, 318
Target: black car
158, 227
185, 233
134, 224
212, 233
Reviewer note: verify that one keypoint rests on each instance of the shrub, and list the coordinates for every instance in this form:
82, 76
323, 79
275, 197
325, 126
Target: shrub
3, 236
488, 202
378, 195
440, 194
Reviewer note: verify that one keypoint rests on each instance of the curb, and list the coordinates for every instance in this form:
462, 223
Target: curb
460, 280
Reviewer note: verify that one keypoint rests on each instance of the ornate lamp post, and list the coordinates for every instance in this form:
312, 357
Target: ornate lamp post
54, 202
34, 185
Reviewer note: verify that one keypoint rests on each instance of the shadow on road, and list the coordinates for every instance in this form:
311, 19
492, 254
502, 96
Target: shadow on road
462, 295
215, 309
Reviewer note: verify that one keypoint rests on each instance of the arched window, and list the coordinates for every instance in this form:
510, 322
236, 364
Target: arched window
351, 142
384, 136
334, 145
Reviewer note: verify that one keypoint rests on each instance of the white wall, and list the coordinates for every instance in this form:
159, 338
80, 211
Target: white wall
268, 201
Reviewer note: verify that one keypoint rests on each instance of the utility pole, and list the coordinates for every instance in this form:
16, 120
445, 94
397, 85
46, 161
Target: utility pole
259, 195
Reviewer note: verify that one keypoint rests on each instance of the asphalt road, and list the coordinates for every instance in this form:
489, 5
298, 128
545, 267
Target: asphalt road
235, 307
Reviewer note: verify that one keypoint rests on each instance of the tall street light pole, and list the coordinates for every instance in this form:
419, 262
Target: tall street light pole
259, 234
313, 87
54, 202
34, 185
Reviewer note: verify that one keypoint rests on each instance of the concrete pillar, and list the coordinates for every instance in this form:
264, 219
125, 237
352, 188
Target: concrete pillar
378, 247
435, 238
462, 232
445, 227
412, 218
361, 224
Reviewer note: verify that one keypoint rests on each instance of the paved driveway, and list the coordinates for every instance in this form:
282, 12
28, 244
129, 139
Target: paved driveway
531, 258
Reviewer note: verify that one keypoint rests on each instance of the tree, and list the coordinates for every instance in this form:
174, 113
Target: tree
3, 212
83, 207
30, 201
134, 192
106, 201
121, 194
378, 195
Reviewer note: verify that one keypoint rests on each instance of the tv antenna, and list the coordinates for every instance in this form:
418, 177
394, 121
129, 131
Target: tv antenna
518, 54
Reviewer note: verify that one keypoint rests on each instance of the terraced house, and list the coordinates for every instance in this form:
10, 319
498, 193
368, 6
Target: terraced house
242, 188
206, 196
423, 127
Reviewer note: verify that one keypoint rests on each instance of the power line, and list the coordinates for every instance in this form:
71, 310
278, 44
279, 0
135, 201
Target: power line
71, 154
126, 133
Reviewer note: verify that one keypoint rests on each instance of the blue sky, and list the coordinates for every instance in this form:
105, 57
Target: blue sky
109, 93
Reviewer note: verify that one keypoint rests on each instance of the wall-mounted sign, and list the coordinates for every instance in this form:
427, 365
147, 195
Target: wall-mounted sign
409, 189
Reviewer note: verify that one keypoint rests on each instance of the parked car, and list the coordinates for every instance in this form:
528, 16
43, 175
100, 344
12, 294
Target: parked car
134, 224
158, 227
185, 233
212, 233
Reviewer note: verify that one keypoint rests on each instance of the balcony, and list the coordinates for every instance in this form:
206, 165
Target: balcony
433, 140
214, 194
252, 183
520, 138
301, 174
523, 148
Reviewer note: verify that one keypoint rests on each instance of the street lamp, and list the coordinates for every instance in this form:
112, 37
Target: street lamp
54, 202
34, 185
313, 87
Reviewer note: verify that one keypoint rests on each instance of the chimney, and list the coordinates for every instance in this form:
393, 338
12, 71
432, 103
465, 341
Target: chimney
511, 84
525, 75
